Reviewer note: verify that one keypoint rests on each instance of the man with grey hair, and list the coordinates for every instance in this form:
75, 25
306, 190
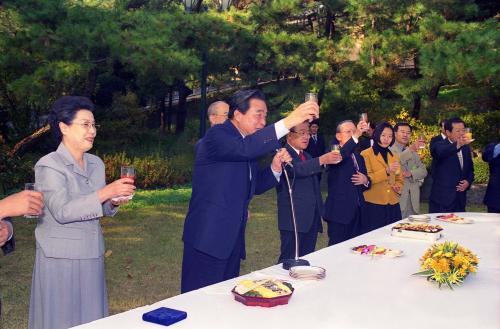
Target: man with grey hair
217, 112
346, 182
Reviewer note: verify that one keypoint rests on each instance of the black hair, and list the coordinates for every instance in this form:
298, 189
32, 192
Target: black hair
448, 125
241, 100
315, 122
442, 122
293, 128
372, 125
379, 129
402, 124
64, 110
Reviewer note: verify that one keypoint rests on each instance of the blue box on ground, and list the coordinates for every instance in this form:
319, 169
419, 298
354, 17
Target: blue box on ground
165, 316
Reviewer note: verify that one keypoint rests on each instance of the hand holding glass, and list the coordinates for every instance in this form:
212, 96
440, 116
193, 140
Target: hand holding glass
126, 172
313, 97
468, 133
32, 187
421, 141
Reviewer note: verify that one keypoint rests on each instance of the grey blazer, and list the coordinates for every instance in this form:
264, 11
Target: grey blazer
69, 227
410, 194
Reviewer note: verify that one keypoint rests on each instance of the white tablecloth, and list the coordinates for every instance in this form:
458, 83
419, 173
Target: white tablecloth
358, 291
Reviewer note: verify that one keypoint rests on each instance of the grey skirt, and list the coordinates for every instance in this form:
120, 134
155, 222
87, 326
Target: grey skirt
66, 292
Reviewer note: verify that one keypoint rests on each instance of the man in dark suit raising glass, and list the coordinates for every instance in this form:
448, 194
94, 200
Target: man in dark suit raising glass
225, 178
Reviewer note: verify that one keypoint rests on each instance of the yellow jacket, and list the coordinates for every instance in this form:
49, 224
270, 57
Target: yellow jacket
381, 191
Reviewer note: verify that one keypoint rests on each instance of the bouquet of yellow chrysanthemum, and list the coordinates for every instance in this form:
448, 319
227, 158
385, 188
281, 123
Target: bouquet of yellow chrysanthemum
447, 263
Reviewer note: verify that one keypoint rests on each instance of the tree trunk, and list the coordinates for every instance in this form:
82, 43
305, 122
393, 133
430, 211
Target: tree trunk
161, 109
372, 48
91, 82
184, 92
328, 24
20, 146
417, 102
170, 109
434, 92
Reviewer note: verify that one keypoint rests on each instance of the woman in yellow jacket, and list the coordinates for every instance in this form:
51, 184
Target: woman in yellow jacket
382, 199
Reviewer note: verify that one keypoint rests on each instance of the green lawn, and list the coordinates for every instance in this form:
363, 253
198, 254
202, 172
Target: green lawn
144, 251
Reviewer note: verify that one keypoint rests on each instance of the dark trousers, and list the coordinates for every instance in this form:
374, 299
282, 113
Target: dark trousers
493, 209
200, 269
338, 232
455, 206
307, 243
377, 215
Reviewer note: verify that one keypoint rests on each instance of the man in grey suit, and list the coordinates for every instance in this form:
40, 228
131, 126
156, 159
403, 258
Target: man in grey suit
306, 195
413, 170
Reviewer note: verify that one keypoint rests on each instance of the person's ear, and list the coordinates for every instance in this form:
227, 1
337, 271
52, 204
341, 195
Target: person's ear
64, 128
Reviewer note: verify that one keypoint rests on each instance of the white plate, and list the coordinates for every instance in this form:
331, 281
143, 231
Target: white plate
120, 198
464, 221
307, 271
419, 218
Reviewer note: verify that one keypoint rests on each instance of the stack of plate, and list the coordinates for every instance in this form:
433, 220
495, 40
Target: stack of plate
307, 272
419, 218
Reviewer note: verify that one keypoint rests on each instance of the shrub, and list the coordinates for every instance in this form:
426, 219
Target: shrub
481, 171
152, 171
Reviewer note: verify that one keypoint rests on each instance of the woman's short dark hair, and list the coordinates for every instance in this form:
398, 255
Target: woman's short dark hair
241, 100
379, 129
64, 110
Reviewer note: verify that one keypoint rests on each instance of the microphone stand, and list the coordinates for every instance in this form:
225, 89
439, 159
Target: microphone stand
288, 263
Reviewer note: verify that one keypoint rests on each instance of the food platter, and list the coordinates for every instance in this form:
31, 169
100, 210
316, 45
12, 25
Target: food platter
374, 250
264, 293
452, 218
421, 231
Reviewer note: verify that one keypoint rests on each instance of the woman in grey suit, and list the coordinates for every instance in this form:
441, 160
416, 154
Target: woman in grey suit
69, 286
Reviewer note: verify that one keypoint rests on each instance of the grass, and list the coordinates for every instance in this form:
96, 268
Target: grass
144, 250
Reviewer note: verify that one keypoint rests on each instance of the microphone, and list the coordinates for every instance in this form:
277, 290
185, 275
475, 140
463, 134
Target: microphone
286, 163
288, 263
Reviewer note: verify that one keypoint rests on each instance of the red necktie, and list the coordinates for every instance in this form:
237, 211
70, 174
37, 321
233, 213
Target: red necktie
302, 156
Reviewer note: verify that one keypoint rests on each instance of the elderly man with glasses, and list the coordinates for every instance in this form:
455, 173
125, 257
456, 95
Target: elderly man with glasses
346, 182
306, 195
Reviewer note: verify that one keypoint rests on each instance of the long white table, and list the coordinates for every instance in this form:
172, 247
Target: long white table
358, 291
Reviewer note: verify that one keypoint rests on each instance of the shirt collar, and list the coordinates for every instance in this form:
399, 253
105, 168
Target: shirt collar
69, 160
298, 151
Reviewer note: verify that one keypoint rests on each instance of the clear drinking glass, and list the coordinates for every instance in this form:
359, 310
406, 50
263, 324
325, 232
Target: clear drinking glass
468, 133
32, 187
336, 148
311, 97
126, 172
421, 141
363, 117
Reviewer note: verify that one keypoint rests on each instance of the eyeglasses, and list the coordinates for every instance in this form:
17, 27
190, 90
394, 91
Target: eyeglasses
88, 125
301, 133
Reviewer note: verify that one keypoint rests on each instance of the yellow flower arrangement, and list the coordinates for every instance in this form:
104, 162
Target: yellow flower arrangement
447, 263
